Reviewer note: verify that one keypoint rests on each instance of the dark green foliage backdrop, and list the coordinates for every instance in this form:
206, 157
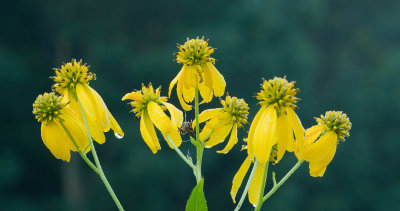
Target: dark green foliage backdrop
344, 55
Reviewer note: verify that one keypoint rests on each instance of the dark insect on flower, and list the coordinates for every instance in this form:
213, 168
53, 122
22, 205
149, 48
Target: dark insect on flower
187, 128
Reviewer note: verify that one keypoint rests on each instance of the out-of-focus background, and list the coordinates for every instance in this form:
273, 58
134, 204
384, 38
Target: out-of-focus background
344, 55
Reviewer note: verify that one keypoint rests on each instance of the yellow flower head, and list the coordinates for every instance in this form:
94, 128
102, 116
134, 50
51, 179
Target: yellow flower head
221, 121
56, 118
276, 121
319, 145
198, 71
70, 75
72, 82
150, 107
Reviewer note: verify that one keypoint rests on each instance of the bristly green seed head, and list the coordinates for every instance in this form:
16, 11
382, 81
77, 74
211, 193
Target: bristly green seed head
336, 121
47, 107
195, 52
278, 91
142, 98
238, 108
70, 75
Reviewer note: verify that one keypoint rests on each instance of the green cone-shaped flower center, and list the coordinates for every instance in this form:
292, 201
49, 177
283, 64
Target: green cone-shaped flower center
195, 52
336, 121
238, 108
47, 107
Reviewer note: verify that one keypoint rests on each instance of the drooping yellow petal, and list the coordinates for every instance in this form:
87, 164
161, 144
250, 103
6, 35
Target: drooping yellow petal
159, 118
255, 185
179, 90
218, 135
296, 124
232, 141
317, 168
191, 77
238, 178
264, 135
283, 131
88, 102
76, 128
188, 94
115, 126
176, 114
175, 136
96, 131
207, 77
218, 80
174, 81
102, 111
56, 140
148, 133
206, 93
318, 150
253, 126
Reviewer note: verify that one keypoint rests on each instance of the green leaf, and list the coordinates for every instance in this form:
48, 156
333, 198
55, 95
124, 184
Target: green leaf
197, 201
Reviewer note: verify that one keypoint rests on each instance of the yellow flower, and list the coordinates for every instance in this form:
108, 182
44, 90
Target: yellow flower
72, 80
198, 71
149, 106
321, 140
221, 121
55, 115
276, 121
255, 185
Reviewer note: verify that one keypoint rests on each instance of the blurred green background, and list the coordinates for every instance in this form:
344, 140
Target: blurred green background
344, 55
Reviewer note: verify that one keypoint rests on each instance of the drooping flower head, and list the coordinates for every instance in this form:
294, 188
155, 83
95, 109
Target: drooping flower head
72, 81
150, 107
276, 121
56, 117
198, 71
321, 141
221, 121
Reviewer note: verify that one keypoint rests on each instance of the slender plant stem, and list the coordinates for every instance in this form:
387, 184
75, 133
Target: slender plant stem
81, 153
283, 180
96, 159
246, 189
264, 179
180, 152
200, 149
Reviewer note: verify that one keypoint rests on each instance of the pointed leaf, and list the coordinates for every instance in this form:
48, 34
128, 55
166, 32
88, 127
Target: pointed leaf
197, 201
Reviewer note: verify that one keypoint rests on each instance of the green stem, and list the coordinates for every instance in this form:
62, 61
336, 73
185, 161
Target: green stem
264, 179
283, 180
200, 149
246, 189
180, 152
96, 159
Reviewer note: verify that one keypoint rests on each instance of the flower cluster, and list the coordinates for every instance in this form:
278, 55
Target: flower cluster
74, 114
